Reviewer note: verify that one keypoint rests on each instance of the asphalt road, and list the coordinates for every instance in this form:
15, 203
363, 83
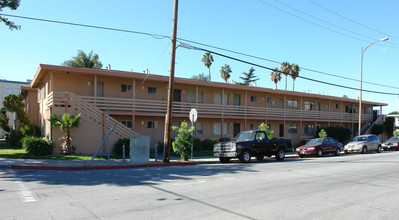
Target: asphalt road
344, 187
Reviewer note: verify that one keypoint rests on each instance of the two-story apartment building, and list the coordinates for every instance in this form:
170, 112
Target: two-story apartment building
138, 102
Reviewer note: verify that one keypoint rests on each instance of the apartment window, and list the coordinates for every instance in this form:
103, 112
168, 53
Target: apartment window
336, 106
292, 104
369, 111
126, 88
225, 129
308, 130
127, 123
190, 96
152, 124
252, 126
217, 98
308, 106
292, 129
152, 90
318, 106
200, 97
253, 98
328, 106
200, 128
217, 128
226, 99
269, 101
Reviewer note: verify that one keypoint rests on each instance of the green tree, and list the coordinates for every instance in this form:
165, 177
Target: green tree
84, 60
4, 120
248, 77
396, 133
394, 113
200, 77
345, 96
294, 71
389, 125
207, 59
183, 141
377, 129
15, 103
265, 127
13, 5
285, 69
323, 133
65, 123
275, 76
225, 72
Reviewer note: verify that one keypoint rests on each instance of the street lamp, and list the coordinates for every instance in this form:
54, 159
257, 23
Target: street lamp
361, 74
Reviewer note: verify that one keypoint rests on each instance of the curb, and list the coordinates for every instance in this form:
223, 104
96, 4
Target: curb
32, 167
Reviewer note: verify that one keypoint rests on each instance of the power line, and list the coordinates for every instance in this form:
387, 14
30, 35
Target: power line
159, 36
314, 80
391, 36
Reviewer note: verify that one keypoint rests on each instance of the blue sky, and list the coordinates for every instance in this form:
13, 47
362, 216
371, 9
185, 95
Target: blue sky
302, 33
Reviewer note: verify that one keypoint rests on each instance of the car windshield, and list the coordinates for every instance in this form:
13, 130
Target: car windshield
245, 136
359, 139
315, 141
393, 139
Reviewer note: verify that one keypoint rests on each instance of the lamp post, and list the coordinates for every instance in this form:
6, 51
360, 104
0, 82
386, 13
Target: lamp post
361, 75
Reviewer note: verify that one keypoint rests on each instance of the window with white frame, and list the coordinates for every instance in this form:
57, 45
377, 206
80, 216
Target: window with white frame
152, 124
126, 88
217, 98
292, 129
269, 101
252, 126
152, 90
253, 98
127, 123
190, 96
225, 129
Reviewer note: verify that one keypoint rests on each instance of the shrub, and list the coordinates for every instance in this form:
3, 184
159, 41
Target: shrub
207, 144
377, 129
323, 133
160, 146
183, 141
197, 145
302, 142
224, 139
37, 146
338, 133
118, 147
14, 138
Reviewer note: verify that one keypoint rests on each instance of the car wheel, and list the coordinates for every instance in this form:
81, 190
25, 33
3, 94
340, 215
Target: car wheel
245, 157
320, 153
280, 154
364, 150
259, 158
337, 152
301, 156
379, 149
224, 159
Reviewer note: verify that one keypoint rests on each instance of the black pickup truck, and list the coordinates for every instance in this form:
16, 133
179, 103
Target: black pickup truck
249, 144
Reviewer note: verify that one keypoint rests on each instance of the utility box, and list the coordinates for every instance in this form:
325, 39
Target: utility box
139, 149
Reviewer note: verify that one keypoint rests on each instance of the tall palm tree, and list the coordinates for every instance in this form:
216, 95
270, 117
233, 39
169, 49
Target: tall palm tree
294, 74
84, 60
275, 76
65, 123
207, 59
225, 72
285, 69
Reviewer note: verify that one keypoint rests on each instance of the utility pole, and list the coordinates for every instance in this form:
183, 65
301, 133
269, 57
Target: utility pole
168, 119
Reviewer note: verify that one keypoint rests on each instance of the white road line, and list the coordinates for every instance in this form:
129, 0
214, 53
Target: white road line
25, 194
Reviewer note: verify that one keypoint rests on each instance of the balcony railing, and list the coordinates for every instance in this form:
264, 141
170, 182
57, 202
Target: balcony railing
157, 106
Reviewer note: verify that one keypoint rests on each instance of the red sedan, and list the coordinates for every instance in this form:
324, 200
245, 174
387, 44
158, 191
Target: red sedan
319, 146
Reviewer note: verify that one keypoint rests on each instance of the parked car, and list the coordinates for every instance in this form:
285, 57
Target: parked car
319, 147
363, 143
249, 144
391, 144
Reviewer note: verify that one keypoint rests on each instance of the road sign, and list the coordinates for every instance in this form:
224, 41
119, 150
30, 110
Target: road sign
193, 115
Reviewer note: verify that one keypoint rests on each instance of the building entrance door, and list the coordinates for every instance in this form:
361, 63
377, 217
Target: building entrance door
236, 129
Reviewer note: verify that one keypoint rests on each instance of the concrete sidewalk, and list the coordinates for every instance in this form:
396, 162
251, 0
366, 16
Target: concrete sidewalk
37, 164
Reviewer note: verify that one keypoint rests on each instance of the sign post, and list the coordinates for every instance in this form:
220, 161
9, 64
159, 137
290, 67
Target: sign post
193, 118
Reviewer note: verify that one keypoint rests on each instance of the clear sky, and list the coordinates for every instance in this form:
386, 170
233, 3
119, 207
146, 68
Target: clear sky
325, 36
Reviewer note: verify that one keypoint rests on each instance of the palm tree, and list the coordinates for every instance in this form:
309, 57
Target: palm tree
207, 59
84, 60
294, 74
66, 123
275, 76
225, 72
285, 69
200, 77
